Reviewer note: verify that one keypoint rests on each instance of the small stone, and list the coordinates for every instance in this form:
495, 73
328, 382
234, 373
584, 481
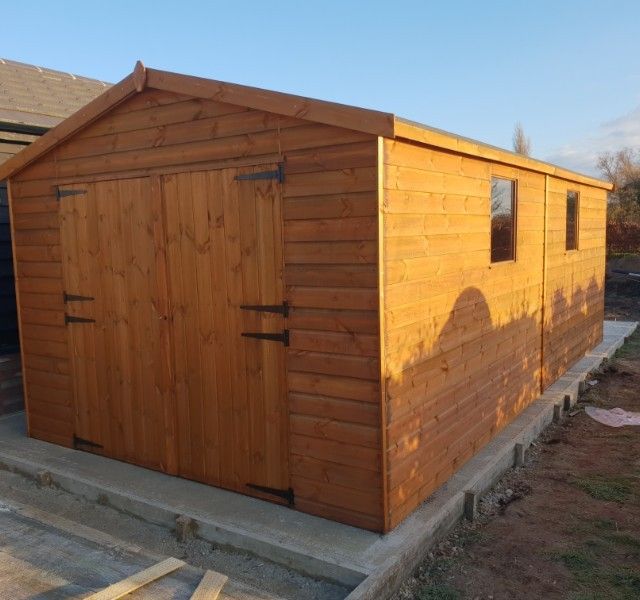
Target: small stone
185, 528
44, 478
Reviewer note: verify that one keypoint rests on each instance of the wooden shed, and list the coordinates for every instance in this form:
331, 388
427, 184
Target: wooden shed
316, 304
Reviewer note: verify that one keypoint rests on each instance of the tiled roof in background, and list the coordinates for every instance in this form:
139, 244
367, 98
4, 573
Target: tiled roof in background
31, 95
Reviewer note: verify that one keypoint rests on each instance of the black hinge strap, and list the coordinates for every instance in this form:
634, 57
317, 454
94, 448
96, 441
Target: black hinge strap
278, 175
281, 309
75, 298
64, 193
273, 337
78, 441
72, 319
287, 494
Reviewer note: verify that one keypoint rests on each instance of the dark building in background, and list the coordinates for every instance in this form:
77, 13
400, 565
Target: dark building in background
32, 100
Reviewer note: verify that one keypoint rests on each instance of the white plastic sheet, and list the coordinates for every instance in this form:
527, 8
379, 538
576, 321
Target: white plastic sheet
615, 417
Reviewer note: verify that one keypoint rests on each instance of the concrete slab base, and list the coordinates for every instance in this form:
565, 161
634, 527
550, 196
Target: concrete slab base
372, 564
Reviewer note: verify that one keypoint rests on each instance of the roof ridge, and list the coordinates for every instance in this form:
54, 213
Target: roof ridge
380, 124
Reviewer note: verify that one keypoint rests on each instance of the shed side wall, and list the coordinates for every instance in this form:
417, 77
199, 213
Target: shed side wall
330, 245
462, 335
574, 299
463, 338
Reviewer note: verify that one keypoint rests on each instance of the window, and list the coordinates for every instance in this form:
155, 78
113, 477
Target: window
503, 219
572, 221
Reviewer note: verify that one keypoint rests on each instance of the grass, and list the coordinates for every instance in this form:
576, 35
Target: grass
622, 255
625, 539
438, 591
471, 537
435, 589
617, 489
597, 565
594, 578
631, 348
578, 562
605, 524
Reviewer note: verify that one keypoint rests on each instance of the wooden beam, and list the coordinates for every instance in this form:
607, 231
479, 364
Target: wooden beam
137, 580
449, 141
210, 586
319, 111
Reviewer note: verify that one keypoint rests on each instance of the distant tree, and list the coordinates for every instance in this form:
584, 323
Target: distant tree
521, 143
622, 168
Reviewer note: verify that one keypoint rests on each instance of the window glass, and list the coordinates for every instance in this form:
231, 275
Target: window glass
503, 213
572, 220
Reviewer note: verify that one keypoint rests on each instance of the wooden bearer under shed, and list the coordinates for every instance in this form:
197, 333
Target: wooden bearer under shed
315, 304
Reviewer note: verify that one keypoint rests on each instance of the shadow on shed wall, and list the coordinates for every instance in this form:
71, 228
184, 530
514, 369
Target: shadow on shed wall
489, 368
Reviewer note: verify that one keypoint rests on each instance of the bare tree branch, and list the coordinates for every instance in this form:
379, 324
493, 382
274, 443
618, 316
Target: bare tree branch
521, 143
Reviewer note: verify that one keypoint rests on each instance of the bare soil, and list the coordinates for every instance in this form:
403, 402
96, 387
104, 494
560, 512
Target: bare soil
567, 524
622, 298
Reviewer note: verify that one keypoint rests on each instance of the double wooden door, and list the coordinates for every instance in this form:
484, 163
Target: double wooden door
177, 324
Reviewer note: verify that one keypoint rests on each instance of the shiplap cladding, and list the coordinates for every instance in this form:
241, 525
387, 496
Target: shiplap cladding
409, 350
330, 253
574, 298
462, 335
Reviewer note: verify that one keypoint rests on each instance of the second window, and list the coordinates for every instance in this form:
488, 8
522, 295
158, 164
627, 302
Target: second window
503, 219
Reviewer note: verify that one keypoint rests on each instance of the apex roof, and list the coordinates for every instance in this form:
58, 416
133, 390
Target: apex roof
340, 115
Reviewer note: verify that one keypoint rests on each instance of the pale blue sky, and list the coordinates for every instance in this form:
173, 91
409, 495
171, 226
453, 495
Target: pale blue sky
569, 70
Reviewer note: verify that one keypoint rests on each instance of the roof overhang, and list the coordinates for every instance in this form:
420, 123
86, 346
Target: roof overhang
369, 121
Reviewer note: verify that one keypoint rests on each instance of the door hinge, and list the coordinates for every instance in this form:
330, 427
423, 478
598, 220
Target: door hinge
273, 337
75, 298
73, 319
278, 175
287, 494
281, 309
64, 193
78, 441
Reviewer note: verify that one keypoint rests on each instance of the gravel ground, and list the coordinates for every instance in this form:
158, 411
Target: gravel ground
246, 569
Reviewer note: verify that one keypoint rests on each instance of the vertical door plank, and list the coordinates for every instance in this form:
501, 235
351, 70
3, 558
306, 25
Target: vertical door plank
142, 283
116, 210
112, 409
236, 297
194, 372
251, 419
87, 331
207, 337
164, 366
93, 271
224, 357
129, 283
170, 184
71, 273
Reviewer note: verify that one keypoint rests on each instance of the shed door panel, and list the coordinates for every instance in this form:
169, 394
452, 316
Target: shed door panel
108, 236
224, 250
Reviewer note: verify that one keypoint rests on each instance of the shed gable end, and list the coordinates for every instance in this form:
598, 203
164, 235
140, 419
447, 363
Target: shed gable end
158, 129
330, 245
